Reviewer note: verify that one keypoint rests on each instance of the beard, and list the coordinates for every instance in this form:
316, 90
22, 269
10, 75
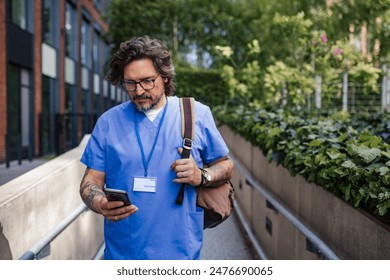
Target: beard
145, 108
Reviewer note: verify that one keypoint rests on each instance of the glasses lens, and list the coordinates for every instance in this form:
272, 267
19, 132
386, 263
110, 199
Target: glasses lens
147, 84
129, 86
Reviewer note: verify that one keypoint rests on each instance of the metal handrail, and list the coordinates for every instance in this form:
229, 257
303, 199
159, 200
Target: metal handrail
100, 253
324, 249
255, 243
37, 248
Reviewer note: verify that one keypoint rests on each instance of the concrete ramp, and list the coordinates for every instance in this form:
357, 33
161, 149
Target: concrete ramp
34, 203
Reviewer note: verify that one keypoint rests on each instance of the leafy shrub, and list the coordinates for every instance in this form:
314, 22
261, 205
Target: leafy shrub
329, 151
206, 86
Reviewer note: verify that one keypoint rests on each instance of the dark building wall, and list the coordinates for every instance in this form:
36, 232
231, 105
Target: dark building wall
3, 80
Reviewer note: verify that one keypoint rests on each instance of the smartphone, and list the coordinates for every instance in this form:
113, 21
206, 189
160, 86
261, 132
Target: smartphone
117, 195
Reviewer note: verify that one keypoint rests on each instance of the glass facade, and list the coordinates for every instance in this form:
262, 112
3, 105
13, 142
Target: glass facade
71, 52
19, 111
82, 57
47, 116
50, 81
71, 27
20, 13
98, 4
86, 46
13, 106
97, 69
86, 77
50, 22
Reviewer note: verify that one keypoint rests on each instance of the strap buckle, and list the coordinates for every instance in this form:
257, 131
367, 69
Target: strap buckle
187, 143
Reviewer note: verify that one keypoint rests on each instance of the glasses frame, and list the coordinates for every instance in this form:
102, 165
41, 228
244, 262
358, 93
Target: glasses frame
123, 84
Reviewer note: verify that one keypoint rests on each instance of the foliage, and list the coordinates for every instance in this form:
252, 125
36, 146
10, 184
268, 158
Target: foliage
243, 77
329, 151
290, 37
191, 26
187, 26
368, 75
290, 83
356, 14
206, 86
281, 79
377, 124
136, 18
383, 35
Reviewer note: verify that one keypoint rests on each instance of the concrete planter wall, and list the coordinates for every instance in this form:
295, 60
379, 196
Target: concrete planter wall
38, 201
349, 232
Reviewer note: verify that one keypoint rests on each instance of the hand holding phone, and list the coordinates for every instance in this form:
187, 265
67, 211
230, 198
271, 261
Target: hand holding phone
117, 195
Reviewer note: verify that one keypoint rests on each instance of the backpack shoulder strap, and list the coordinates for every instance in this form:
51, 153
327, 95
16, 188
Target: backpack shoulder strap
187, 106
187, 109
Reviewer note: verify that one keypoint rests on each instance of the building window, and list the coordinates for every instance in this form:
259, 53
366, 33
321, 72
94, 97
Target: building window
21, 13
19, 113
47, 115
25, 99
70, 118
98, 4
71, 31
86, 46
18, 13
106, 5
50, 22
97, 60
97, 69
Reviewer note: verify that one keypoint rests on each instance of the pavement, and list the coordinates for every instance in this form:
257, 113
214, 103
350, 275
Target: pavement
224, 242
15, 169
227, 242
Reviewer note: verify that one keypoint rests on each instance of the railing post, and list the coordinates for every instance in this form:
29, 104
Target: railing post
345, 92
57, 131
284, 95
384, 103
30, 149
19, 149
7, 156
318, 90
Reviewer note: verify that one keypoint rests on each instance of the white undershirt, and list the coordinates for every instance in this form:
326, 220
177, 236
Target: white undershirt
152, 114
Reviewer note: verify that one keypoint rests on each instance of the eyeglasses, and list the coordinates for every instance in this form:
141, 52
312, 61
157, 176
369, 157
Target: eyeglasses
146, 84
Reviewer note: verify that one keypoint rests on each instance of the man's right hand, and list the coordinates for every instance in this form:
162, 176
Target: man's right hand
115, 210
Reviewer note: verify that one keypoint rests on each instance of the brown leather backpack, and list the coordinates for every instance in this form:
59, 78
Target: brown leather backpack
217, 202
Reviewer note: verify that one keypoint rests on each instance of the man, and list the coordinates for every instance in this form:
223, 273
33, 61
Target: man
136, 147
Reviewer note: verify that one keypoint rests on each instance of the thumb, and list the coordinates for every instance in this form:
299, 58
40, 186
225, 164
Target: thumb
180, 150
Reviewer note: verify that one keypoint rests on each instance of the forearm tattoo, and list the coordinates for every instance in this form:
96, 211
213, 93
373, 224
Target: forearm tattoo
89, 190
222, 171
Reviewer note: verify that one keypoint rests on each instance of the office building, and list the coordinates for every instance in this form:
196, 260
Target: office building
53, 55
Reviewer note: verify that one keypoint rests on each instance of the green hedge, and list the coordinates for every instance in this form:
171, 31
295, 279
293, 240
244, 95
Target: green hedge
206, 86
328, 151
341, 154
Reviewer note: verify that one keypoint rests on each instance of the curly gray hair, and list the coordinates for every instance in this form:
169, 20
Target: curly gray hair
139, 48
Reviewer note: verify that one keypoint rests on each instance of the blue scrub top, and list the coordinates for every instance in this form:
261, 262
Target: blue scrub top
160, 229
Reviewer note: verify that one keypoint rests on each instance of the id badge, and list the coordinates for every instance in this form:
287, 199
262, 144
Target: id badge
145, 184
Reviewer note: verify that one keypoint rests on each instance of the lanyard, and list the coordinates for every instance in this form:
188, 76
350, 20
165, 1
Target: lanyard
144, 161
